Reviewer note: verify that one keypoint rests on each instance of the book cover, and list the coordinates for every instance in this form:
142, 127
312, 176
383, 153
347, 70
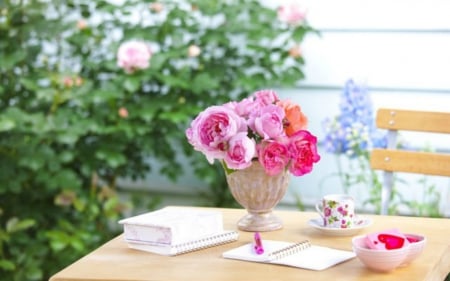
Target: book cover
172, 226
301, 255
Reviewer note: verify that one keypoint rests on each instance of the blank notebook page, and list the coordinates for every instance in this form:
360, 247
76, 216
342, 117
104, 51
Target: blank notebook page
306, 256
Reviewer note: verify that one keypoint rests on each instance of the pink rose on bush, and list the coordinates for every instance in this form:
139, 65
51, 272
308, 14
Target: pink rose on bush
291, 14
133, 55
260, 128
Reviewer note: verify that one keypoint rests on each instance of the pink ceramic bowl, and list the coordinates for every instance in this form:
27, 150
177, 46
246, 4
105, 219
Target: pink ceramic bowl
416, 245
379, 260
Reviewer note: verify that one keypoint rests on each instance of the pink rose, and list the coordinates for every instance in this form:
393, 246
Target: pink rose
269, 124
273, 156
291, 14
303, 148
133, 55
246, 106
266, 97
211, 130
241, 150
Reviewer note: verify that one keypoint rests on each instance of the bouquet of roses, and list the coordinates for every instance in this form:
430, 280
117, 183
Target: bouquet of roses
258, 128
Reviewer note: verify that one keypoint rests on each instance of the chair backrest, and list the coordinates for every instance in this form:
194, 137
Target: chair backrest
393, 159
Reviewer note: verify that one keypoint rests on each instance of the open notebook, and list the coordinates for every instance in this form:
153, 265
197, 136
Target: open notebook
302, 254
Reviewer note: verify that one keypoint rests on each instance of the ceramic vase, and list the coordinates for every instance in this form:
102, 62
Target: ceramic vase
258, 193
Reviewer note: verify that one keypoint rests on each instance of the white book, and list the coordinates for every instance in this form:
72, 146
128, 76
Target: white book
172, 226
186, 247
301, 255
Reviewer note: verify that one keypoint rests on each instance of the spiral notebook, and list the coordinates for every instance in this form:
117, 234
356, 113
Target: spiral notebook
185, 247
301, 255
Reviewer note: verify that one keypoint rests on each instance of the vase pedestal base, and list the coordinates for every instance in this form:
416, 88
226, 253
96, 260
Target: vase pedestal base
260, 222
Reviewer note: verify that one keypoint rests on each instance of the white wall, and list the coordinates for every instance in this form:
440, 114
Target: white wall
400, 49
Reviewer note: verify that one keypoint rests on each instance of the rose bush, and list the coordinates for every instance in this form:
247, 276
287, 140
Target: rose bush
82, 108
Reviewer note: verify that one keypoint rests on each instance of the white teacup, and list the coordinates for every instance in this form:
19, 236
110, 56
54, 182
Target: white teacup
337, 210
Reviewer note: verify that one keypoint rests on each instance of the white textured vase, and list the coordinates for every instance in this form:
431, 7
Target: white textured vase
258, 193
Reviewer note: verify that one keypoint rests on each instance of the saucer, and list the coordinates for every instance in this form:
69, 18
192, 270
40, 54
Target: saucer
360, 224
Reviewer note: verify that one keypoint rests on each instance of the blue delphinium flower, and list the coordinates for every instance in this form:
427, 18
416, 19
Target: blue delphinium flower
353, 131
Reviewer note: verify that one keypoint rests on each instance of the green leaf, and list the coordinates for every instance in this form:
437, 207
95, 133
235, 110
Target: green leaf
34, 273
6, 124
77, 244
30, 84
34, 163
66, 156
132, 83
7, 265
204, 82
114, 159
298, 34
157, 61
175, 117
58, 245
15, 225
68, 137
11, 59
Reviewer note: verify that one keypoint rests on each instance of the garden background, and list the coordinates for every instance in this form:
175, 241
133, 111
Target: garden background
84, 143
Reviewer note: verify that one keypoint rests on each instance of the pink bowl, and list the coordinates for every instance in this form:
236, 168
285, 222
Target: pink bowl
416, 246
379, 260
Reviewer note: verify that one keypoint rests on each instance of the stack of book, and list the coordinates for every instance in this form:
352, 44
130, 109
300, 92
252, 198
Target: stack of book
173, 231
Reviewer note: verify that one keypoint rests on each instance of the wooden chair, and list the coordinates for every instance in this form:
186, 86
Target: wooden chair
392, 159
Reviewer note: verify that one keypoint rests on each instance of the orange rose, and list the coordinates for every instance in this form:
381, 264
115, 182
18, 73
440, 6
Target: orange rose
295, 119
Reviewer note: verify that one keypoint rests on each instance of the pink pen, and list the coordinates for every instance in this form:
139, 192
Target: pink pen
258, 247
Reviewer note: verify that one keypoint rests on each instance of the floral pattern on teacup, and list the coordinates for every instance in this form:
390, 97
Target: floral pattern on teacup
339, 216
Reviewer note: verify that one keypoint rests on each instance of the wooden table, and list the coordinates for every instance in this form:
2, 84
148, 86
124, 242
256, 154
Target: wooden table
115, 261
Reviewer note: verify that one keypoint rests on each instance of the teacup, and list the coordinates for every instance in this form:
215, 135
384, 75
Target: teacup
337, 210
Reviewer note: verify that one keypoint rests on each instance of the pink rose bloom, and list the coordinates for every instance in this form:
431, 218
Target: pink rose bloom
133, 55
269, 124
266, 97
241, 150
303, 148
291, 14
273, 156
246, 106
211, 130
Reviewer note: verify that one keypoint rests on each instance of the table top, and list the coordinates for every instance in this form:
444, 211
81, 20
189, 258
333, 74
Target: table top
115, 261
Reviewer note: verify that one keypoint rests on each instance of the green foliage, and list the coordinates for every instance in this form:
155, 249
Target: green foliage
63, 143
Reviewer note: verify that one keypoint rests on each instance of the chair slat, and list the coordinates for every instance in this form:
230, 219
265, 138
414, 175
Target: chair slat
395, 119
407, 161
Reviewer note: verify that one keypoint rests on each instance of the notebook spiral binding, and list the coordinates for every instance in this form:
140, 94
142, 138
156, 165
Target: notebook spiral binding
206, 242
292, 249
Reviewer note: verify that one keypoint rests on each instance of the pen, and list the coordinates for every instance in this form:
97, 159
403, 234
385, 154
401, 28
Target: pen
258, 247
